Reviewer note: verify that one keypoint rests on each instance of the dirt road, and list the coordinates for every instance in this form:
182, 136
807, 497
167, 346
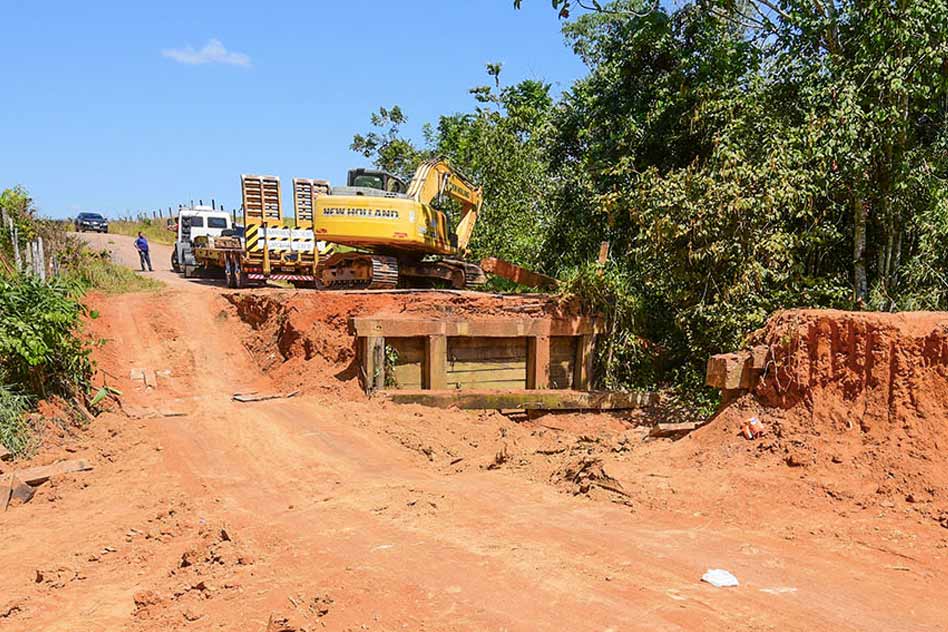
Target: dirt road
207, 514
122, 249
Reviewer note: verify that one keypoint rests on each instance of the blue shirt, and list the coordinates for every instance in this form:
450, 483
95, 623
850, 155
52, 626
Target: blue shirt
142, 244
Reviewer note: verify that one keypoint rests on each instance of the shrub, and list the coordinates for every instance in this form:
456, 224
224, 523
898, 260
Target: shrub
15, 432
95, 270
623, 358
40, 348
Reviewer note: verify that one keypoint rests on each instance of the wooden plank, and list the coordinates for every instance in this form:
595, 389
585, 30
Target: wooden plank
41, 474
673, 429
538, 362
489, 365
407, 375
21, 493
562, 361
583, 364
401, 327
517, 274
760, 356
576, 326
730, 371
479, 363
525, 399
561, 374
6, 489
436, 356
409, 350
461, 349
487, 373
373, 363
258, 397
488, 385
408, 371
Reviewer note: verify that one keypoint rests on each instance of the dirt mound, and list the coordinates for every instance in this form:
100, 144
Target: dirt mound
855, 399
303, 338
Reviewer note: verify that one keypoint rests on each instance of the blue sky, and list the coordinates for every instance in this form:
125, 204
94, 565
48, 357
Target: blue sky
105, 106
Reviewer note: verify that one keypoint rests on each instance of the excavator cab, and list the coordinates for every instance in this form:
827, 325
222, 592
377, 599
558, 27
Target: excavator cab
387, 183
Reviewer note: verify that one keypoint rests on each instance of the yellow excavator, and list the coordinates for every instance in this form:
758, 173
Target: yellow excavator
397, 236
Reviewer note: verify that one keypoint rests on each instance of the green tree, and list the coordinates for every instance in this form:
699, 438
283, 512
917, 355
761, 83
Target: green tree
386, 146
500, 147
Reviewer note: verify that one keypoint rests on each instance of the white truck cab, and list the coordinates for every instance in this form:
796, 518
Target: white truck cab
192, 222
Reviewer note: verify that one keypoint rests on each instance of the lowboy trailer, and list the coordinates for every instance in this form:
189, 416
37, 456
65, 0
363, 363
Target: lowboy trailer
270, 249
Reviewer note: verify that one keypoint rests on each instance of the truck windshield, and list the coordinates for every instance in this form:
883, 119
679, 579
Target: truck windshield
216, 222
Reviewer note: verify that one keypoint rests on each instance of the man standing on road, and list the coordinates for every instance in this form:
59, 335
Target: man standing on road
141, 245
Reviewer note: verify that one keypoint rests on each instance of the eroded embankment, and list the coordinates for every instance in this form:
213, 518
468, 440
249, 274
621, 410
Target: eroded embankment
859, 400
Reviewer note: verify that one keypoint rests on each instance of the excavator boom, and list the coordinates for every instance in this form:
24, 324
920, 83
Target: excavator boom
436, 178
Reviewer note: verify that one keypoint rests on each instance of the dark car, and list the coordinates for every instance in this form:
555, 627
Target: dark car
93, 222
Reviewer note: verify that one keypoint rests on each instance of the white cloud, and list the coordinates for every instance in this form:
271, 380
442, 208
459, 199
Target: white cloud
212, 53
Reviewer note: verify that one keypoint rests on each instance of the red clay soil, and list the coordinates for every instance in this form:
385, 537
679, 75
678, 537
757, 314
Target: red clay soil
857, 402
334, 511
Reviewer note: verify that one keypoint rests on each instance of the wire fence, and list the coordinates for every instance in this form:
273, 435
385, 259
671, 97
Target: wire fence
30, 258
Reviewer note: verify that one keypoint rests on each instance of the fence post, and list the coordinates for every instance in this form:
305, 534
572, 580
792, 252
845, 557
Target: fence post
41, 256
28, 267
16, 245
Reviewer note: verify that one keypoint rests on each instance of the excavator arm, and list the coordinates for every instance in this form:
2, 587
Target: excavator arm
436, 178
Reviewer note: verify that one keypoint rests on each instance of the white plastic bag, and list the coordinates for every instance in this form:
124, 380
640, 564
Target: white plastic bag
719, 578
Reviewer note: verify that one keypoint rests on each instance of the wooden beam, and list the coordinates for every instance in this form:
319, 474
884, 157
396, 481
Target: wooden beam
524, 399
517, 274
538, 362
436, 357
673, 429
730, 371
400, 327
583, 364
39, 475
373, 363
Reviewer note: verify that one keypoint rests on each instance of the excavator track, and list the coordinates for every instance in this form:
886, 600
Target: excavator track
352, 271
384, 274
473, 274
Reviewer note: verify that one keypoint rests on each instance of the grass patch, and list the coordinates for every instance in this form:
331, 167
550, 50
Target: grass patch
95, 270
16, 434
154, 230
